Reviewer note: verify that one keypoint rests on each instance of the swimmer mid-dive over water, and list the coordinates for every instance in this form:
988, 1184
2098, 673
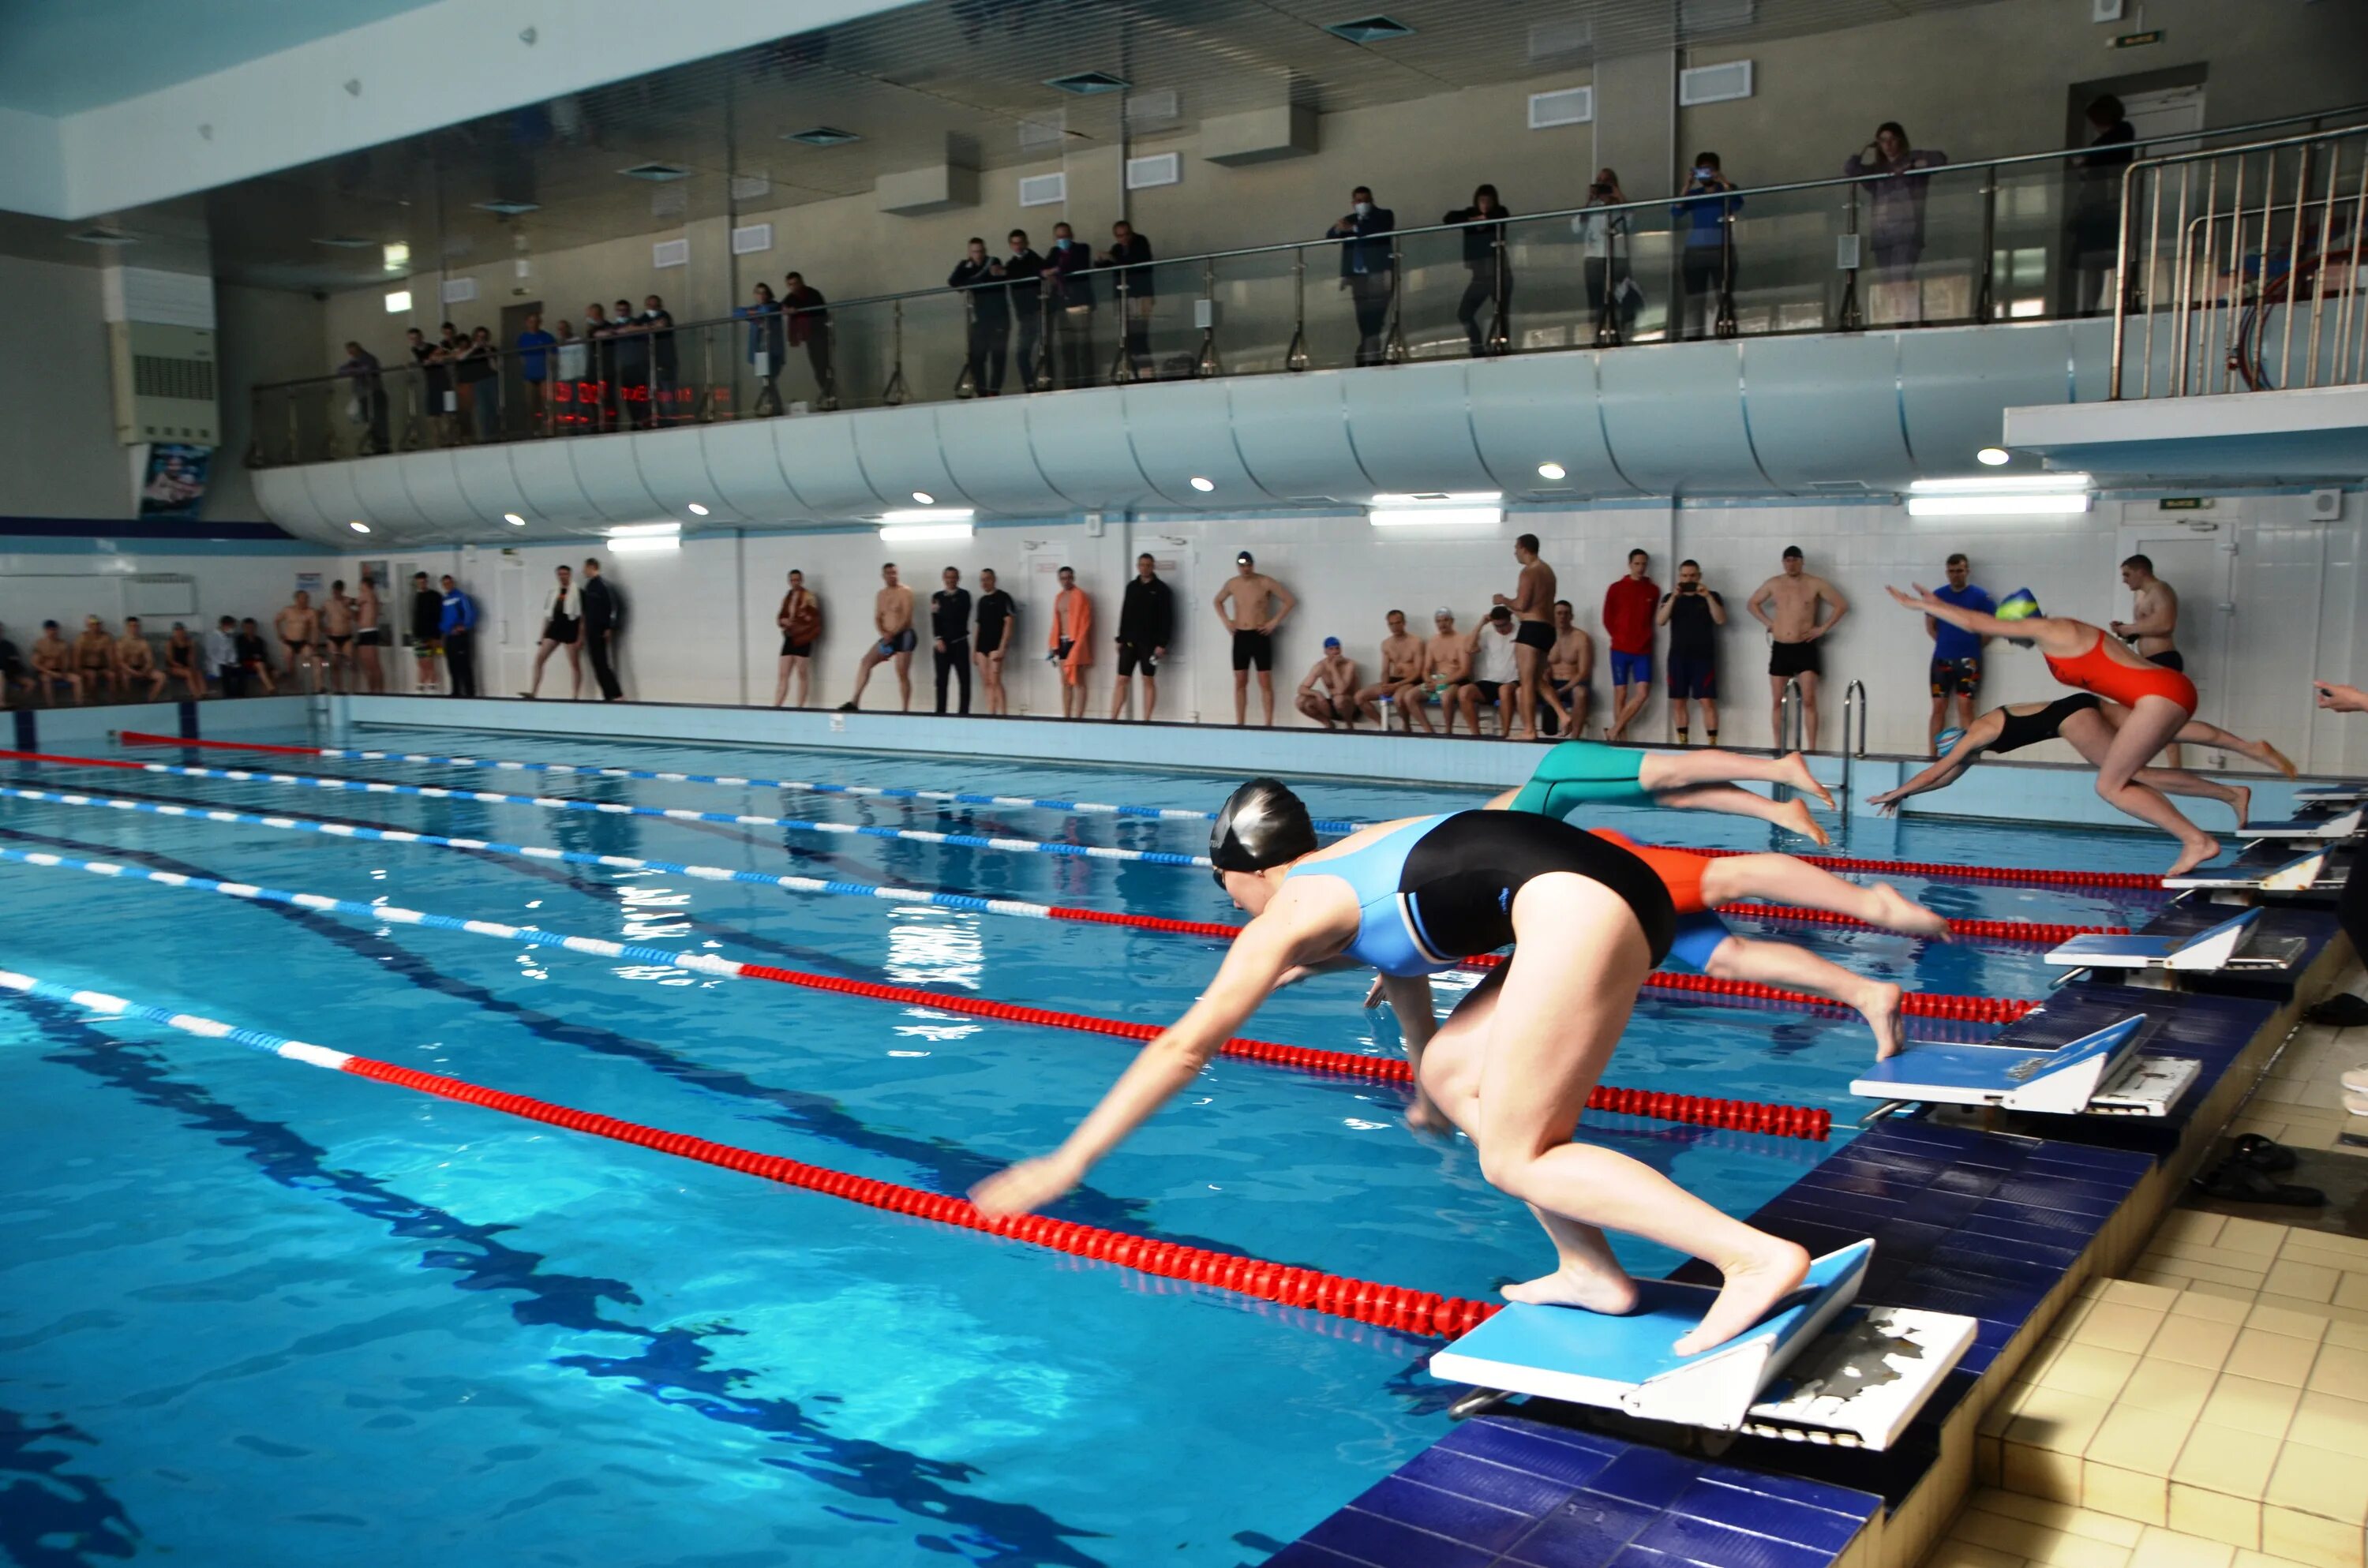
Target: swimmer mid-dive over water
2089, 724
2161, 702
1590, 773
1511, 1067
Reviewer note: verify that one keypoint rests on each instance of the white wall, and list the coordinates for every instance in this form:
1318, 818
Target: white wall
703, 618
58, 452
62, 585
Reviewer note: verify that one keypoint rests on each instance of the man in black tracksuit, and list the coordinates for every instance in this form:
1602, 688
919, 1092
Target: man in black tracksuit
950, 627
1146, 620
604, 617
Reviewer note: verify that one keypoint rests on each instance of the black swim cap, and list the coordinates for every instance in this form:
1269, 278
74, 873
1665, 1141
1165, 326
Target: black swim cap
1262, 825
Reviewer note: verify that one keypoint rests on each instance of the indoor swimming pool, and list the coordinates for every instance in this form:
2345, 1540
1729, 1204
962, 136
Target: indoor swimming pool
227, 1287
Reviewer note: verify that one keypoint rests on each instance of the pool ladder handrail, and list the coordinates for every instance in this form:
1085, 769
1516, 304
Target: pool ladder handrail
1855, 718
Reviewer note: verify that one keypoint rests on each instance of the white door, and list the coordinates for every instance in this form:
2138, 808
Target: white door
2167, 111
513, 627
2198, 560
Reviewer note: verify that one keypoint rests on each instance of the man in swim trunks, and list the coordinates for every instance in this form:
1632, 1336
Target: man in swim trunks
1252, 605
53, 664
369, 636
1328, 695
2089, 724
1511, 1067
95, 657
298, 625
1070, 645
2152, 626
1570, 664
1628, 606
996, 615
800, 619
1589, 773
563, 627
1401, 671
2161, 702
1534, 638
1447, 665
181, 659
892, 619
1956, 655
255, 655
337, 631
1793, 653
1692, 613
135, 663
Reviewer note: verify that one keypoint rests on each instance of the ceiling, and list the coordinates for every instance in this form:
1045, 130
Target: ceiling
906, 82
64, 56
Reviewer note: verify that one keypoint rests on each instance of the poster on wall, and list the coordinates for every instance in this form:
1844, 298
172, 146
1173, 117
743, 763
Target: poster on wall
308, 583
175, 487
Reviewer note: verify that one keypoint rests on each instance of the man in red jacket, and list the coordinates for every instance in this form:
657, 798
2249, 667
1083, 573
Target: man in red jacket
1628, 607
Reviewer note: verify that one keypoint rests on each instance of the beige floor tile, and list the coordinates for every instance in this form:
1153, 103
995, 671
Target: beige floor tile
2055, 1516
2330, 1421
2136, 1439
2174, 1548
2328, 1241
2320, 1481
2192, 1342
2130, 1293
2251, 1407
2251, 1235
2244, 1293
2042, 1474
2273, 1357
2253, 1263
2214, 1515
2305, 1281
2302, 1322
2319, 1313
2341, 1372
2056, 1419
2124, 1494
2170, 1388
2350, 1335
1967, 1554
2190, 1225
2306, 1537
2352, 1290
2090, 1369
2211, 1308
2263, 1560
2117, 1326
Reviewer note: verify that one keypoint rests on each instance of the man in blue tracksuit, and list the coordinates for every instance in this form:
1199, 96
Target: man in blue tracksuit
460, 628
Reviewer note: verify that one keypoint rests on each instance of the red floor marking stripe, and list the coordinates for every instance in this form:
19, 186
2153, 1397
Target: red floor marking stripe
1387, 1306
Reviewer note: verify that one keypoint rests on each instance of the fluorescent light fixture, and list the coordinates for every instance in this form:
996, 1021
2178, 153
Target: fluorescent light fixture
923, 533
925, 498
398, 301
930, 514
2002, 484
359, 527
695, 509
513, 519
1203, 485
645, 544
1553, 470
644, 531
1442, 498
395, 256
1994, 457
2024, 504
1435, 516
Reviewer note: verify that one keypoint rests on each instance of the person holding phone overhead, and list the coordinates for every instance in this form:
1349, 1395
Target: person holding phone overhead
1707, 215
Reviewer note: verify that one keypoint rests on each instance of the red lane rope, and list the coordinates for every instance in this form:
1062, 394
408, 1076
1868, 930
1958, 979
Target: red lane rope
1337, 1295
2010, 876
141, 738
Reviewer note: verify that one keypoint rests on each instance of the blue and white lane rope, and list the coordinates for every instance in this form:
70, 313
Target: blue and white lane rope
608, 807
879, 792
534, 852
187, 1023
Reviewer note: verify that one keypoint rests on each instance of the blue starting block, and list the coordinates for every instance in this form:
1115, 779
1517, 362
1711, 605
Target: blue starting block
2343, 826
2210, 950
1816, 1370
2101, 1074
2300, 874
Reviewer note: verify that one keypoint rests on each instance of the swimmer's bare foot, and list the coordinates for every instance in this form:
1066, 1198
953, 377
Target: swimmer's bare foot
1755, 1283
2243, 804
1895, 910
2197, 850
1793, 816
1574, 1285
1883, 1005
2275, 758
1796, 768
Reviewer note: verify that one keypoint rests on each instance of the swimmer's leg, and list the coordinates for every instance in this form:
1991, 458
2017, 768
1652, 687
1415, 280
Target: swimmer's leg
1793, 814
1566, 995
1732, 879
1781, 963
2197, 733
2151, 724
1662, 772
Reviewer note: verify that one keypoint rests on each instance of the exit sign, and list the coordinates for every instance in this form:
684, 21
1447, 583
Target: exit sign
2186, 503
2138, 41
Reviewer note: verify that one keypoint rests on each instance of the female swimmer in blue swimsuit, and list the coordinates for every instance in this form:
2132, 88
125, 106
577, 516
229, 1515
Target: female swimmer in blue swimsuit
1511, 1067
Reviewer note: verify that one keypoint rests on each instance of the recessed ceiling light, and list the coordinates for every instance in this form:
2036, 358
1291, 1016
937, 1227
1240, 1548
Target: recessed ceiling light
925, 498
513, 519
1553, 470
657, 173
346, 242
1203, 485
104, 236
1994, 456
1086, 83
508, 208
1370, 29
395, 256
398, 300
932, 514
359, 527
696, 510
923, 533
822, 136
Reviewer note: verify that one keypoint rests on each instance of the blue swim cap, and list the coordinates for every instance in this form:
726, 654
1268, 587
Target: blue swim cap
1948, 738
2020, 604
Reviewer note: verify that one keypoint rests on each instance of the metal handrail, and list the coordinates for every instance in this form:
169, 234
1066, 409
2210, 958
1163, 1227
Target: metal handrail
1854, 711
1559, 214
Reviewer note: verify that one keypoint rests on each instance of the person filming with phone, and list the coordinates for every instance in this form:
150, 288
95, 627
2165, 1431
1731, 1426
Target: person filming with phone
1707, 215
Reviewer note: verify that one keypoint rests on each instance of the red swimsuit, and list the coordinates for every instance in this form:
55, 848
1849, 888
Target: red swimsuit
2100, 672
1680, 872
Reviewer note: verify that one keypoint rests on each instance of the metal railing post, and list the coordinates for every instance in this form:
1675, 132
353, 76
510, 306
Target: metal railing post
1394, 348
1295, 357
1854, 712
1851, 318
1724, 326
1985, 291
2121, 295
1500, 331
2318, 269
1122, 372
1208, 364
893, 394
967, 385
2293, 259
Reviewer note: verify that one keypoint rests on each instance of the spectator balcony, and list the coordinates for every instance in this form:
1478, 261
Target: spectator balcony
1842, 337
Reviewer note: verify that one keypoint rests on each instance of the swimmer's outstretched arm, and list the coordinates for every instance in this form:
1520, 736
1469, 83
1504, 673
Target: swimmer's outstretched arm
2045, 630
1939, 775
1409, 997
1257, 958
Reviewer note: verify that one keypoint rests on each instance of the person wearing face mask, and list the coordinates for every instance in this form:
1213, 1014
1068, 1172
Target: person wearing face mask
1021, 270
987, 305
1894, 175
1707, 216
668, 403
1069, 279
1491, 268
1366, 270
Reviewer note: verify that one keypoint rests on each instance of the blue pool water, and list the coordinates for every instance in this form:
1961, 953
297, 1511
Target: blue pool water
251, 1311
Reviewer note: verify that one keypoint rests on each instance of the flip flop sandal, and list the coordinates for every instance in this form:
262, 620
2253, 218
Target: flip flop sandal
2344, 1010
2260, 1153
2356, 1081
2236, 1182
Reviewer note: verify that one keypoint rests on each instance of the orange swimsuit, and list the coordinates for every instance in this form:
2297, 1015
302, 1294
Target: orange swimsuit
2100, 672
1680, 872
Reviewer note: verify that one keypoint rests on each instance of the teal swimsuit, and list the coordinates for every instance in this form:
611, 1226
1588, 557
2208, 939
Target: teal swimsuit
1581, 773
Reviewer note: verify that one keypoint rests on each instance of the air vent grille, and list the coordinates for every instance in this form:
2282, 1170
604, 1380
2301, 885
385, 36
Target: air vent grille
1044, 191
1714, 83
657, 173
187, 380
823, 136
670, 253
1370, 29
1571, 105
1086, 84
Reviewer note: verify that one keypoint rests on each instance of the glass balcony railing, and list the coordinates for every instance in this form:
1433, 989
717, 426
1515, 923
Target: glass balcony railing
2012, 239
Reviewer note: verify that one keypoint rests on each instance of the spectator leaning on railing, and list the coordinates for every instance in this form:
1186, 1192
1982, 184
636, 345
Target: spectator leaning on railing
986, 305
1896, 178
1485, 258
1068, 279
763, 314
369, 394
1021, 270
1610, 290
809, 324
1366, 268
534, 346
1707, 263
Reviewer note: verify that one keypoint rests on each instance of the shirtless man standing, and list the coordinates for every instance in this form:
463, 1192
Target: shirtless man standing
337, 631
1250, 595
299, 626
1401, 670
136, 662
53, 665
94, 656
2154, 611
1533, 634
369, 636
1795, 655
1570, 664
892, 617
1447, 659
1330, 692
